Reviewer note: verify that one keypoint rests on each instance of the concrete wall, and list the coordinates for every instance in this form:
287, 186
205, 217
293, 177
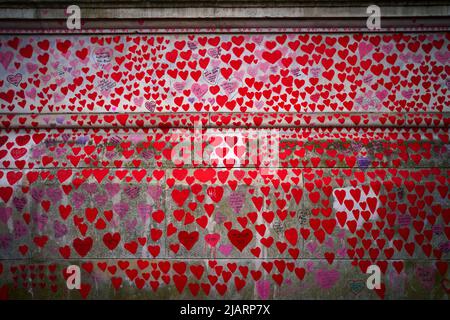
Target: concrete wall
355, 172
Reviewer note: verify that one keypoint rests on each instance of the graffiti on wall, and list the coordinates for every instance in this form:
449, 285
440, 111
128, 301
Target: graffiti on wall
239, 73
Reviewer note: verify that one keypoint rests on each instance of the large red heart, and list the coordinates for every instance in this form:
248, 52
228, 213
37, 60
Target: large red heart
188, 239
240, 239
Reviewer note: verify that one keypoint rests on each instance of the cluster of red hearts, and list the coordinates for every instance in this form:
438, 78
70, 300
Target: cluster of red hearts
190, 279
194, 279
260, 72
152, 148
88, 175
378, 216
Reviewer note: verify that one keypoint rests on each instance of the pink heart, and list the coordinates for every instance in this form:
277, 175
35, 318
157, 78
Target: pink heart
31, 67
263, 288
364, 48
199, 90
225, 249
5, 58
5, 214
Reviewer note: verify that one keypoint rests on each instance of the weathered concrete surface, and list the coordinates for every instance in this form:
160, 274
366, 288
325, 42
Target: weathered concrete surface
218, 12
310, 13
135, 16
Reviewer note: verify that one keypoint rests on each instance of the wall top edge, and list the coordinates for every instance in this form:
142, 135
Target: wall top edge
192, 12
29, 30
